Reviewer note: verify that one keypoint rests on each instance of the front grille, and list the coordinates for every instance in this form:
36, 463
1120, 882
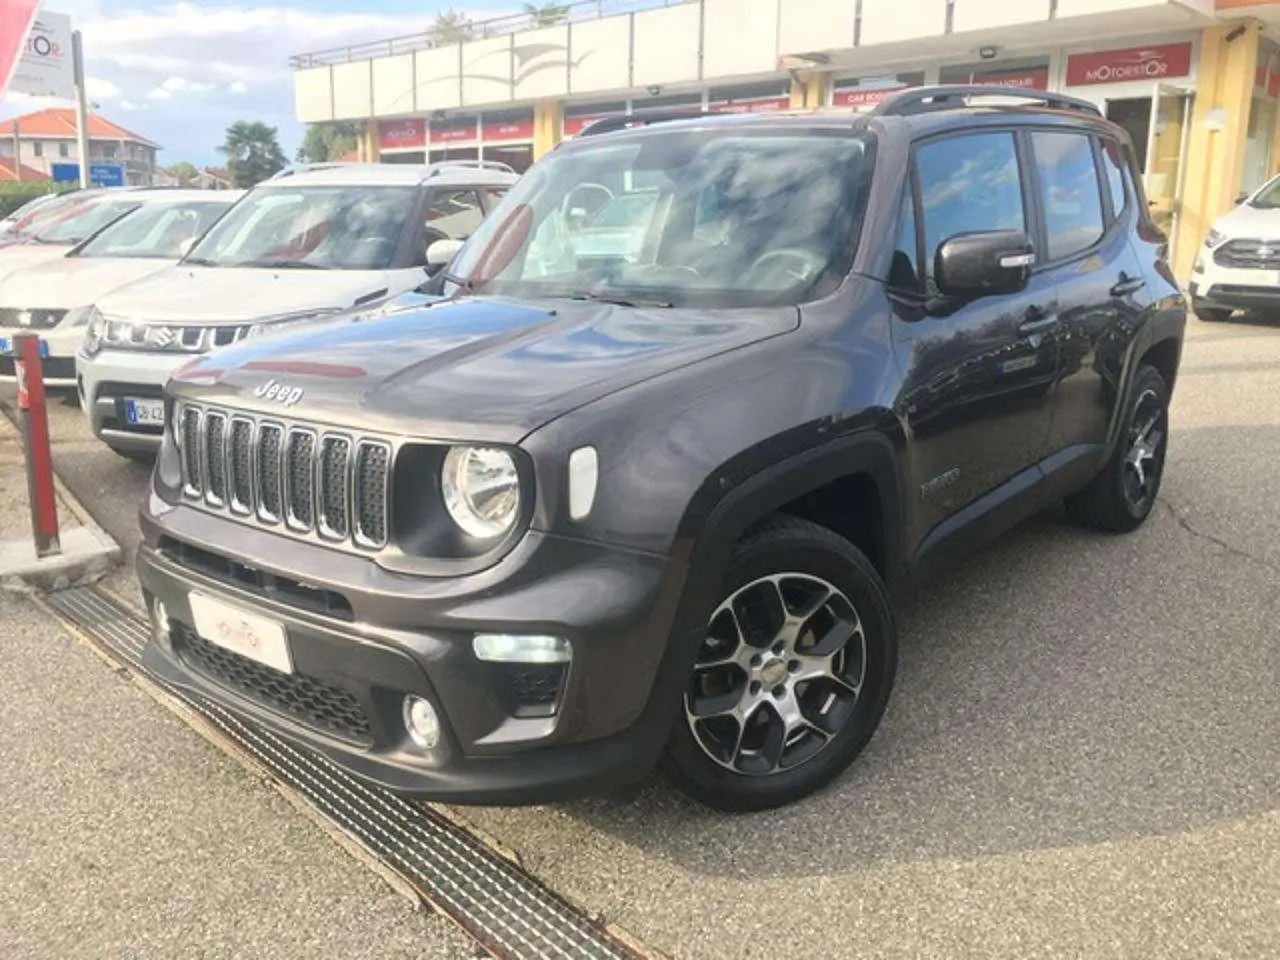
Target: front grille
163, 338
316, 483
315, 703
30, 319
1249, 254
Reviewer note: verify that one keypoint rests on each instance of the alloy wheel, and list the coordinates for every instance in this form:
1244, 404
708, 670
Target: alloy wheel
1144, 458
778, 675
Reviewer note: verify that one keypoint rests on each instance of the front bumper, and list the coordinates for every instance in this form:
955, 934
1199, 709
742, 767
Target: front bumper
60, 362
1216, 287
398, 635
108, 377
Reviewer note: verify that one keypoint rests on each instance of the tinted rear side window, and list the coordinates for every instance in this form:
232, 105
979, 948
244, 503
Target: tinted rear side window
1069, 192
1113, 164
968, 183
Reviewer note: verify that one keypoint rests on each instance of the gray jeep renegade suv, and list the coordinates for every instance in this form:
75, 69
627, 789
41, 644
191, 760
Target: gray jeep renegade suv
602, 507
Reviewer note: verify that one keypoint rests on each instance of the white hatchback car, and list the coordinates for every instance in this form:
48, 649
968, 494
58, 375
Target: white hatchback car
53, 298
294, 250
1238, 268
67, 224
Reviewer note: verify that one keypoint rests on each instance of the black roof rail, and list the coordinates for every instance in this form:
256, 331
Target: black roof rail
955, 96
642, 118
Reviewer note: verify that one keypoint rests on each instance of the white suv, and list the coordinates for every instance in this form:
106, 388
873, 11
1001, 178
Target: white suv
295, 249
1238, 268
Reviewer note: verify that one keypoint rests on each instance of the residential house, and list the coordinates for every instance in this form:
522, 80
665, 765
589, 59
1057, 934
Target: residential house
49, 136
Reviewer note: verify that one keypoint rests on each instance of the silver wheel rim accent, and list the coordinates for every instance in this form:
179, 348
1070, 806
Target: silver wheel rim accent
778, 676
1142, 460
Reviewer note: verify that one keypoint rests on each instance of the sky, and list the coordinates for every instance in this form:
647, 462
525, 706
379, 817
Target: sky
179, 72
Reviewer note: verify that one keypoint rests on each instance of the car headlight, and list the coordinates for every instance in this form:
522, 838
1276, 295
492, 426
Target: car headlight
270, 326
1214, 238
97, 327
481, 488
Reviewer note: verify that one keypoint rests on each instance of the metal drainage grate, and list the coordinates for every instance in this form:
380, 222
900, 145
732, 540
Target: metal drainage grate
508, 911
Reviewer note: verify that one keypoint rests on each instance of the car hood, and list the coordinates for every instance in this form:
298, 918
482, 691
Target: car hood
184, 293
481, 369
1252, 223
70, 282
19, 256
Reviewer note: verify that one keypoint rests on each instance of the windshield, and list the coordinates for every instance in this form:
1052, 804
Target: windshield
155, 230
317, 227
1269, 196
83, 220
700, 217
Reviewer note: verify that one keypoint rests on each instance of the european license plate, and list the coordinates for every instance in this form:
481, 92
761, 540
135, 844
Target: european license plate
6, 347
248, 634
146, 412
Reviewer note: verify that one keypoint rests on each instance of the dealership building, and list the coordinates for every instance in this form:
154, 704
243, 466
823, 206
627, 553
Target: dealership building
1195, 82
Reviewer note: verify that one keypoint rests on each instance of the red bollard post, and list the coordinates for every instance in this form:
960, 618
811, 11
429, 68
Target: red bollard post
35, 435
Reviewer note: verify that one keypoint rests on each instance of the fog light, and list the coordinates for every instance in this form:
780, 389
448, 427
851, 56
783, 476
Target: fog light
517, 648
160, 624
422, 723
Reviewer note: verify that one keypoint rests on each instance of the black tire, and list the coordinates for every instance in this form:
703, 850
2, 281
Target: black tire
1109, 503
130, 453
1212, 314
787, 545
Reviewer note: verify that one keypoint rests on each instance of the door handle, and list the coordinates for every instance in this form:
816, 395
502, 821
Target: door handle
1037, 321
1127, 285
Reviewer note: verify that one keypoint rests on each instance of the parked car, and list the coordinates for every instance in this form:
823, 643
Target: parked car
294, 250
582, 516
11, 225
52, 235
54, 297
1238, 268
29, 218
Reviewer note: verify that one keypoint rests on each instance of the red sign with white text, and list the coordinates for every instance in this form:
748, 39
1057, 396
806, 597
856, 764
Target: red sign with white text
402, 134
1158, 62
507, 130
462, 133
16, 17
766, 105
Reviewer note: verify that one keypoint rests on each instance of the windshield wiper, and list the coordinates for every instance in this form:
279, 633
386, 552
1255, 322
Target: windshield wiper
285, 265
457, 281
621, 301
199, 262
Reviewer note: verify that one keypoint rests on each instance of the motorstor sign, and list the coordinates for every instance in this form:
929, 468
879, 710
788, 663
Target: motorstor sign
1157, 62
402, 134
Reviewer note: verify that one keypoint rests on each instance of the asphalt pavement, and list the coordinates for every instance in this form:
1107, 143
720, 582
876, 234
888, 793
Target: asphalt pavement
1081, 759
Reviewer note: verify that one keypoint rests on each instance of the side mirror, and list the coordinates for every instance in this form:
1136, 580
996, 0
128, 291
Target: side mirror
441, 252
980, 264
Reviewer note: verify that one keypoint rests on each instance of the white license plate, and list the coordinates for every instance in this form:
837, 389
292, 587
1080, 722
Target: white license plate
149, 412
258, 638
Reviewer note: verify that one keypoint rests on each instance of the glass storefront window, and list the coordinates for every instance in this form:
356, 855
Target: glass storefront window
1258, 159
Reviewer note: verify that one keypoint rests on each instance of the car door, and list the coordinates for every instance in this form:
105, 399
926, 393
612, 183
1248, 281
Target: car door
976, 397
1089, 208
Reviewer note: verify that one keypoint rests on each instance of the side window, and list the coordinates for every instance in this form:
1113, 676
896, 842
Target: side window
453, 215
904, 274
492, 195
1069, 192
1113, 163
968, 183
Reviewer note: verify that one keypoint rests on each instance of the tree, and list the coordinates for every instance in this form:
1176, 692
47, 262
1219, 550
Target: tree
253, 152
547, 15
450, 26
329, 140
184, 171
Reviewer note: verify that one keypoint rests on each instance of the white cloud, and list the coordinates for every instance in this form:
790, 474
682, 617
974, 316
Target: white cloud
103, 91
159, 94
183, 85
237, 87
130, 105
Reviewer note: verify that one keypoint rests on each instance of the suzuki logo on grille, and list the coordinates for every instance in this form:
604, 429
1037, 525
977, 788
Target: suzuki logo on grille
280, 392
162, 336
24, 318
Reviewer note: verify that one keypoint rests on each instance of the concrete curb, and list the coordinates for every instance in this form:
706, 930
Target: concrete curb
88, 551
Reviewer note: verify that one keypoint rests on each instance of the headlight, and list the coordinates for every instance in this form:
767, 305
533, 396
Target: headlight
269, 326
481, 489
1214, 238
93, 336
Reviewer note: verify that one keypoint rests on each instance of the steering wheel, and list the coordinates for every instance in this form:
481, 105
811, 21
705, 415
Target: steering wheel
803, 263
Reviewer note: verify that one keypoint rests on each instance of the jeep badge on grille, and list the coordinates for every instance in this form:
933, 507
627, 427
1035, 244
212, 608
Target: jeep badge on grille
279, 392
